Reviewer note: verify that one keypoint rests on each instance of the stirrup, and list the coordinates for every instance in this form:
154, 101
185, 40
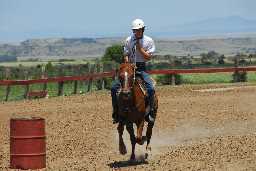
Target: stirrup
151, 119
115, 121
115, 118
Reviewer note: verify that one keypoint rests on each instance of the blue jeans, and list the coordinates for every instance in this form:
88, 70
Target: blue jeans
149, 86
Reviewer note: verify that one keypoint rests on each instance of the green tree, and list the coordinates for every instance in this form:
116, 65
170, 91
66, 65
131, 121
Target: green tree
114, 53
221, 59
49, 69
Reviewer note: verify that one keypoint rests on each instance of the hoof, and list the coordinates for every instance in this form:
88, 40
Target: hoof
148, 148
122, 148
148, 152
147, 155
132, 158
142, 140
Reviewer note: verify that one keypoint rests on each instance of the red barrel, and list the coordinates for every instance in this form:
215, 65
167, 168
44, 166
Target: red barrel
28, 146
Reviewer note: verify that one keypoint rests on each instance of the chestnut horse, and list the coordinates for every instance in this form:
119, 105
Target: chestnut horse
132, 105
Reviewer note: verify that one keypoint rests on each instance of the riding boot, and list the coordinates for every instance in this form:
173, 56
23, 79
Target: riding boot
151, 115
115, 115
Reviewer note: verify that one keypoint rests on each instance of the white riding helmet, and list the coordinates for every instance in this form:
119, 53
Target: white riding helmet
137, 24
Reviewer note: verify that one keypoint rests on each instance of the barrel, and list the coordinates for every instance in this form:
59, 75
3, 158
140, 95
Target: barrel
27, 143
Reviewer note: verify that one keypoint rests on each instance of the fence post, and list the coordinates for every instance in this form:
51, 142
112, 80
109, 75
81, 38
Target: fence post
45, 87
26, 91
98, 70
113, 68
91, 71
8, 90
77, 72
75, 87
173, 79
44, 75
102, 79
60, 88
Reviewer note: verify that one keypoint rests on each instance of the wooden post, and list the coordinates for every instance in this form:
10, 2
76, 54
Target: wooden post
103, 79
43, 76
89, 88
86, 83
97, 70
60, 88
113, 67
103, 84
76, 71
173, 79
75, 87
8, 90
44, 86
26, 91
114, 77
92, 68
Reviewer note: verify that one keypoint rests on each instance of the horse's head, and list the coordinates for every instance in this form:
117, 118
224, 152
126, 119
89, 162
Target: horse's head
126, 77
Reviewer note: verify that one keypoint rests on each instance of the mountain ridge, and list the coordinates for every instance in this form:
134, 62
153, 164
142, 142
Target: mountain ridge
95, 47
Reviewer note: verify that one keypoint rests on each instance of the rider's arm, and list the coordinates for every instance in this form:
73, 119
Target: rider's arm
126, 50
147, 55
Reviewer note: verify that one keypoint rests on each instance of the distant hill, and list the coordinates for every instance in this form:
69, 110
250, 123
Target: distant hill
60, 47
213, 26
226, 46
89, 47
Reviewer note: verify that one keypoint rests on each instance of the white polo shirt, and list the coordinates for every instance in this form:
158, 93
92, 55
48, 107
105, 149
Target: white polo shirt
147, 44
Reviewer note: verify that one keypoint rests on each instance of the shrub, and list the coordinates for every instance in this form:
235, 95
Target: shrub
239, 76
114, 53
167, 79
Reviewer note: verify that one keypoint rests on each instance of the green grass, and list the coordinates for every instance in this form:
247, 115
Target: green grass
206, 78
213, 78
17, 92
251, 76
35, 63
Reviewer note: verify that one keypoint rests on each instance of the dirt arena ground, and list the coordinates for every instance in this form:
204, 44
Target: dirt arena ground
200, 127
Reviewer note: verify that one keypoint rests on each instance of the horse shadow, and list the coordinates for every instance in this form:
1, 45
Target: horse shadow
127, 163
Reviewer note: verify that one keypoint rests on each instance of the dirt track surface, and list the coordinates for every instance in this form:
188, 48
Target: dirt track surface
209, 127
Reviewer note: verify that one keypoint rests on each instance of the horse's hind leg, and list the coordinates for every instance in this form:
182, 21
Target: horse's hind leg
148, 135
122, 147
130, 130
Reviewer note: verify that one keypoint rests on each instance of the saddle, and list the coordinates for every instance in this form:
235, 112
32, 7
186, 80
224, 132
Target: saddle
141, 83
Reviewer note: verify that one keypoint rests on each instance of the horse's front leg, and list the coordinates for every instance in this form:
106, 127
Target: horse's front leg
130, 130
148, 135
139, 139
122, 147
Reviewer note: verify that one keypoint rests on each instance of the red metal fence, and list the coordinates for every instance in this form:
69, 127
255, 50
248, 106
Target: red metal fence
98, 76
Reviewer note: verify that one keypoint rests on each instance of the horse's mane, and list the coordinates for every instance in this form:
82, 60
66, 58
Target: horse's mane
126, 65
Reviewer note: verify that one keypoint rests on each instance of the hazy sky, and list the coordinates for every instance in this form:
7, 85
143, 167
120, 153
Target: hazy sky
23, 19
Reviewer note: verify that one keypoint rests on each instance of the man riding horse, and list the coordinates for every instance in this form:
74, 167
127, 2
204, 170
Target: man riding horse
138, 49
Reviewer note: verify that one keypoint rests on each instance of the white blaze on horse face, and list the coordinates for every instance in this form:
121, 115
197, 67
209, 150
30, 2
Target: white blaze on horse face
125, 80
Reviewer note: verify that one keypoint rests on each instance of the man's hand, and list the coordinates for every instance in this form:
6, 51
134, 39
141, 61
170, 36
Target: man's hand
138, 46
126, 60
146, 55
